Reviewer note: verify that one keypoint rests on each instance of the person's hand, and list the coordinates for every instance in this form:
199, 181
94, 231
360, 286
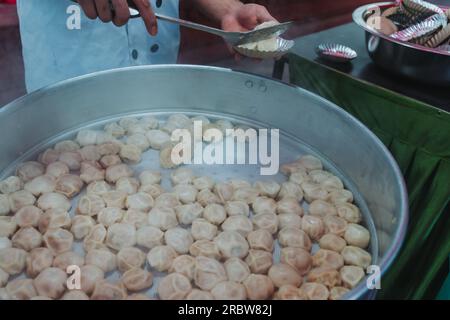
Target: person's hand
121, 14
245, 17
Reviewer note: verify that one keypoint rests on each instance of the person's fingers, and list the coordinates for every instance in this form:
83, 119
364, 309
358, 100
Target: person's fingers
89, 9
103, 10
145, 9
263, 15
122, 12
230, 23
252, 15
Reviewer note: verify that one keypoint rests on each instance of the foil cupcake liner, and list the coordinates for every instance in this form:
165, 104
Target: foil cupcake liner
422, 40
417, 7
390, 12
415, 16
445, 47
401, 20
439, 38
422, 29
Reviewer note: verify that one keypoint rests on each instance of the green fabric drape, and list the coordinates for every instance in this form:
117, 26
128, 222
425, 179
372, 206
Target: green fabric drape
444, 294
418, 136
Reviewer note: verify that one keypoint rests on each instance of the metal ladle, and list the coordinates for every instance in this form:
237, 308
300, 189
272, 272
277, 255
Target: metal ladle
233, 38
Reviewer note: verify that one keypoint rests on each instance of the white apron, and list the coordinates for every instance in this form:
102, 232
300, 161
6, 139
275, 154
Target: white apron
53, 52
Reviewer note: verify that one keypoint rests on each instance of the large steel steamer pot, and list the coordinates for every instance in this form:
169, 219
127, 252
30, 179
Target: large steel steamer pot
426, 65
361, 157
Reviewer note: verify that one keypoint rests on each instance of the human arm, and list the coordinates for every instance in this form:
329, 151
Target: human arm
233, 15
102, 9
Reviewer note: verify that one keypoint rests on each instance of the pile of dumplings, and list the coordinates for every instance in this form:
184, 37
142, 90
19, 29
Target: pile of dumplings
82, 203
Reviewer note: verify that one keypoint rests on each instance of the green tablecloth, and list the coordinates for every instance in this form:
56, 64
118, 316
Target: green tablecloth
418, 136
444, 294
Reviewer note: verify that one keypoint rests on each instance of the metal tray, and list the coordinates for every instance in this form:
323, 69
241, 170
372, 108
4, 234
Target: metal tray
307, 123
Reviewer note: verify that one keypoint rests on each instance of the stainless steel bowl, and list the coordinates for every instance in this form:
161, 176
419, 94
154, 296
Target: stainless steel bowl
39, 119
426, 65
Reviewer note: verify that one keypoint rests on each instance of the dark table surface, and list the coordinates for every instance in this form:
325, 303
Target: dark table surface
363, 69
